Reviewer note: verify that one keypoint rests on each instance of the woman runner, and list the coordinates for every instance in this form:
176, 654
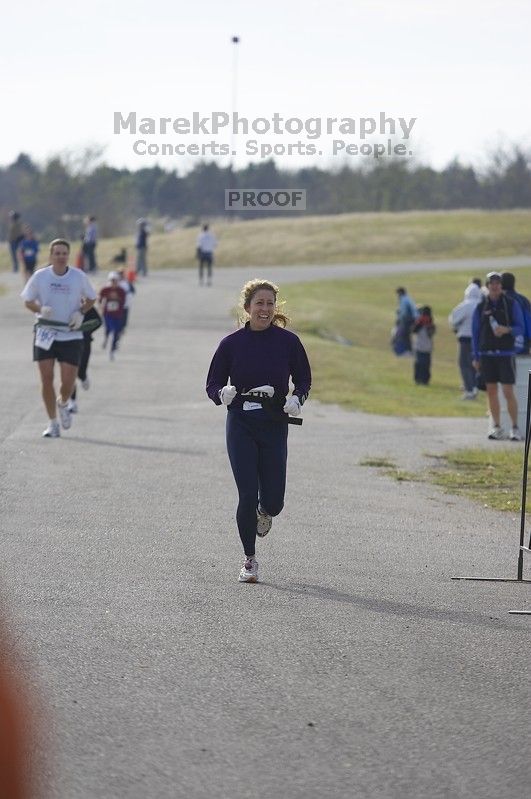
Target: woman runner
258, 359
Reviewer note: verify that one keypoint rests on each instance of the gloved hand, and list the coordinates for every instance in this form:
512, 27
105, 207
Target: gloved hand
227, 394
269, 390
45, 312
75, 321
292, 406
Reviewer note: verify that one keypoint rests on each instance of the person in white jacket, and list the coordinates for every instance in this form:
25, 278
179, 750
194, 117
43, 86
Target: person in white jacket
460, 321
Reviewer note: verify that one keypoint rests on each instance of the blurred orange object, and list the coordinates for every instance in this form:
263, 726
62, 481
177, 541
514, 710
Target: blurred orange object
80, 260
15, 735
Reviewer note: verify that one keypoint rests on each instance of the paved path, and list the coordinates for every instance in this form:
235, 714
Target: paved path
356, 668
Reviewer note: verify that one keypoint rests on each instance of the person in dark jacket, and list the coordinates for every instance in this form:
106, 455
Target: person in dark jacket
508, 283
254, 363
497, 336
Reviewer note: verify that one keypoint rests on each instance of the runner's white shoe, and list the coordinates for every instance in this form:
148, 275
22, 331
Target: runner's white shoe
72, 406
496, 433
249, 571
85, 384
263, 522
515, 435
64, 414
53, 430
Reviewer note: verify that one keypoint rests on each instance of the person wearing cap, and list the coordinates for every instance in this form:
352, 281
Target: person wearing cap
497, 336
129, 288
112, 300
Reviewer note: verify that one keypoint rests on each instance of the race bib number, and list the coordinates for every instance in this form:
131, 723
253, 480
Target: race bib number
112, 305
251, 406
45, 337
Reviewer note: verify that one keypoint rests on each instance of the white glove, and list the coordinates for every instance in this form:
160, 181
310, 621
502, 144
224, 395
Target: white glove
292, 406
75, 321
45, 312
269, 390
227, 394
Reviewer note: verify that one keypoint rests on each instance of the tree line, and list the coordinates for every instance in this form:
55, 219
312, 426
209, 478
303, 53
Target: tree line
54, 197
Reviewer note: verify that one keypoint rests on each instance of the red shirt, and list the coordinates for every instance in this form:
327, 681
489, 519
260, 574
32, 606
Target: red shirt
113, 301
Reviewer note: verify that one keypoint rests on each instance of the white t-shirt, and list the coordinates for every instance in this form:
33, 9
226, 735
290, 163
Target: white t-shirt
63, 293
206, 241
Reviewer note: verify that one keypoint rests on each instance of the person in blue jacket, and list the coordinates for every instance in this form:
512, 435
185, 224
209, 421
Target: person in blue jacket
254, 363
406, 314
497, 336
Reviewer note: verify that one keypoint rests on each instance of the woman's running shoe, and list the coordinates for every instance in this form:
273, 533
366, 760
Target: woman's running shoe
263, 522
249, 571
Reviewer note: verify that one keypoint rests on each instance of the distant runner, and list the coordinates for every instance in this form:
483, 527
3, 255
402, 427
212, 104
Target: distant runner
58, 293
112, 299
258, 360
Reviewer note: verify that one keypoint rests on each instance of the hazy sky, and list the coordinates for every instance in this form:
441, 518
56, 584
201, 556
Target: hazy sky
462, 69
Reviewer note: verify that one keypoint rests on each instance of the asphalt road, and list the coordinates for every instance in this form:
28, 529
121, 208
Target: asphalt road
355, 668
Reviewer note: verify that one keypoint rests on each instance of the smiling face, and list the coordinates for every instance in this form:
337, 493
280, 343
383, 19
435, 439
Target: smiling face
261, 309
495, 289
59, 255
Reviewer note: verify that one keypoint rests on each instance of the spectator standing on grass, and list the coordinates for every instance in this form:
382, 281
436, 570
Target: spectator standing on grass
497, 336
508, 283
90, 241
142, 246
206, 244
15, 235
406, 313
460, 320
423, 331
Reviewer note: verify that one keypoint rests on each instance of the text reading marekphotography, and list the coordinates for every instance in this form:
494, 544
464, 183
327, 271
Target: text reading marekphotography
278, 135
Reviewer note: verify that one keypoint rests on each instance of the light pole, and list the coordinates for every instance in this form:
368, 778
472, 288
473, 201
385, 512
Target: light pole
235, 41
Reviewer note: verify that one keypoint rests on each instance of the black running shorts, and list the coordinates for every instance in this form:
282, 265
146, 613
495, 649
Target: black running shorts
501, 369
62, 351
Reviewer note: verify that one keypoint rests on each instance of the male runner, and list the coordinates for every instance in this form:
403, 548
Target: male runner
62, 294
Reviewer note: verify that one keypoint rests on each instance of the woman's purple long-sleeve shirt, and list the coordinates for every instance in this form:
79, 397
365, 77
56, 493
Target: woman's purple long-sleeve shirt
253, 358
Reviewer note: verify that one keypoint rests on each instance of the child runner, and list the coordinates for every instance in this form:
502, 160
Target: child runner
112, 300
259, 357
423, 330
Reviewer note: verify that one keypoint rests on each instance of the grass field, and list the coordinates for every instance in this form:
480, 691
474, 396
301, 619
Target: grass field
492, 478
366, 375
344, 238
